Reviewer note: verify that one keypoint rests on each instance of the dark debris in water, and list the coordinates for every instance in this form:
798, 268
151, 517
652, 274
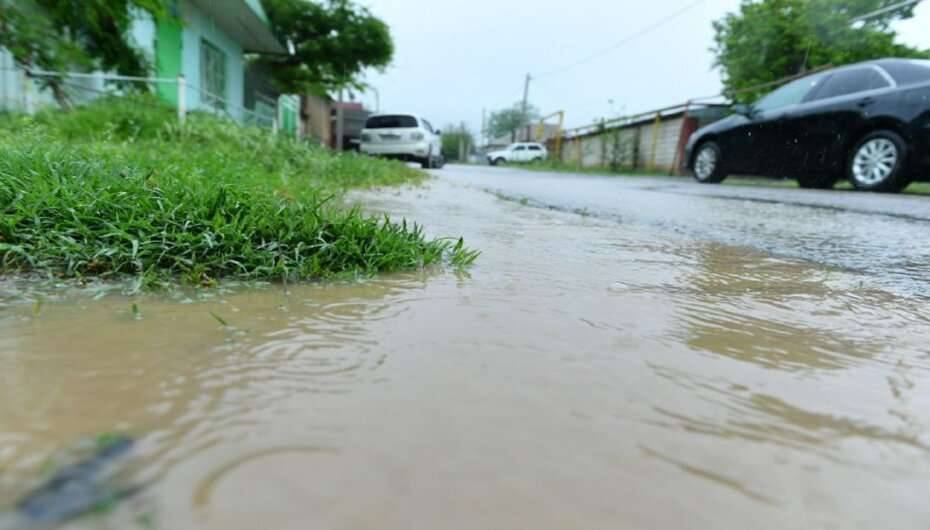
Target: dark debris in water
80, 488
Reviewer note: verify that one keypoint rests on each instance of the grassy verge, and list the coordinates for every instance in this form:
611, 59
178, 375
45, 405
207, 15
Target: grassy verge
917, 188
119, 188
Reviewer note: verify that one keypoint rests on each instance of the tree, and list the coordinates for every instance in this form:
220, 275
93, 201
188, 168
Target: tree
507, 121
457, 142
334, 42
62, 35
768, 40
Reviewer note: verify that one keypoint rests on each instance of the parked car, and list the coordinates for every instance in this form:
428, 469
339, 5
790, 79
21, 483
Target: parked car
519, 152
868, 123
404, 137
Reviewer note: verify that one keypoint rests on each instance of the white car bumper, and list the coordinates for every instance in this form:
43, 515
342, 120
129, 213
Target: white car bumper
400, 150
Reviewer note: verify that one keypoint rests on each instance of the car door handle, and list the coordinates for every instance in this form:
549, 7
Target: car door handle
866, 102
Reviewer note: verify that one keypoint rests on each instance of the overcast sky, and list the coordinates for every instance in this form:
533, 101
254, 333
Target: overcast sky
456, 57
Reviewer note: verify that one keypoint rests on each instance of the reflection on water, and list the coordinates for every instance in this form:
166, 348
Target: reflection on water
783, 314
585, 374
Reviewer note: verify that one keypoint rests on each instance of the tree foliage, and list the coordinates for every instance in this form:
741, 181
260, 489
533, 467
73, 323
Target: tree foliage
61, 35
506, 121
334, 41
767, 40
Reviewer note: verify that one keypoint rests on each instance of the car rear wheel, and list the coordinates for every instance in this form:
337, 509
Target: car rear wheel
877, 163
429, 162
708, 164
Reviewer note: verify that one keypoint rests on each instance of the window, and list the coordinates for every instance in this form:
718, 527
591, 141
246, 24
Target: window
908, 72
520, 148
846, 82
535, 148
790, 94
213, 75
391, 122
428, 126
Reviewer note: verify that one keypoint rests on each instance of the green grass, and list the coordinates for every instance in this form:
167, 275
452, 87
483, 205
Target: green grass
119, 188
553, 166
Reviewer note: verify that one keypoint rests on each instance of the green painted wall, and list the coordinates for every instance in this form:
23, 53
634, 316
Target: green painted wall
168, 50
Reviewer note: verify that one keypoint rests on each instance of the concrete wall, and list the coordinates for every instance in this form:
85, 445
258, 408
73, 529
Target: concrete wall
628, 144
317, 119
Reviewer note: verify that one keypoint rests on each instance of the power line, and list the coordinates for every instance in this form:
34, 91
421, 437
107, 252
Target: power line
884, 10
624, 41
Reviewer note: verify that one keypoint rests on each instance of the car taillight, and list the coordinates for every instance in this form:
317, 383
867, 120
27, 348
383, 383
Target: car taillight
366, 137
417, 136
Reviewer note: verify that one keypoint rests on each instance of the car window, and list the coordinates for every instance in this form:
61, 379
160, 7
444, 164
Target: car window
399, 121
520, 148
428, 125
851, 81
535, 148
908, 72
790, 94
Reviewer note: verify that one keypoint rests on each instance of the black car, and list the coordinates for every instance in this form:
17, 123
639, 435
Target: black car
867, 122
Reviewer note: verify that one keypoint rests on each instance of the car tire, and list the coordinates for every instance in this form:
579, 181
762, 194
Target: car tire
877, 162
497, 162
824, 181
707, 167
428, 162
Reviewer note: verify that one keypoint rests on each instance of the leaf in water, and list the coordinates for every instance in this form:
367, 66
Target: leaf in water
136, 314
219, 319
37, 307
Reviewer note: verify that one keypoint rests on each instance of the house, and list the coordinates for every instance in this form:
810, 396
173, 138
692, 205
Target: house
265, 105
205, 42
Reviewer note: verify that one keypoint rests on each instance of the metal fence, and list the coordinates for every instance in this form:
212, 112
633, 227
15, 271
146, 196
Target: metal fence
22, 90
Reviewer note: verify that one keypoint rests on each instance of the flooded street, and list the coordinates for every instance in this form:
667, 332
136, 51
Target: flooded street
655, 360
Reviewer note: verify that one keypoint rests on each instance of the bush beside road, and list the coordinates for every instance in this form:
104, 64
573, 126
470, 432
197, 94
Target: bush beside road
119, 188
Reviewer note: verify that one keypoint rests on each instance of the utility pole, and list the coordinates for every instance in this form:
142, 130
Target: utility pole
484, 126
340, 121
526, 97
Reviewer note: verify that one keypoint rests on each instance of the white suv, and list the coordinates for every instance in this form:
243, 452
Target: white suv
402, 137
521, 152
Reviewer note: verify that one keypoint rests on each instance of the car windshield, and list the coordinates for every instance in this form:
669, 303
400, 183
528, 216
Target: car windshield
399, 121
790, 94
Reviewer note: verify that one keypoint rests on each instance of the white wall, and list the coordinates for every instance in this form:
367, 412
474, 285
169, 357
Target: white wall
198, 26
10, 83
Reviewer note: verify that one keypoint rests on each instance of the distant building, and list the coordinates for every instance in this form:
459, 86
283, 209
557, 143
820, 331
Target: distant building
354, 117
206, 42
530, 133
652, 141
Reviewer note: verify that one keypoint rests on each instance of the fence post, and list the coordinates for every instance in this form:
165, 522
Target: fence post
274, 126
182, 98
28, 100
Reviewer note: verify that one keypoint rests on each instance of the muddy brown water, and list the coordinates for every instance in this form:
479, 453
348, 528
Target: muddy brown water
584, 374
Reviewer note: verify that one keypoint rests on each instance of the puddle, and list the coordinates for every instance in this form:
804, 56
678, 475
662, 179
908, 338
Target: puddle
584, 374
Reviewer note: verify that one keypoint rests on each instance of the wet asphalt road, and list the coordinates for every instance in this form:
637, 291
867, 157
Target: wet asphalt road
882, 237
